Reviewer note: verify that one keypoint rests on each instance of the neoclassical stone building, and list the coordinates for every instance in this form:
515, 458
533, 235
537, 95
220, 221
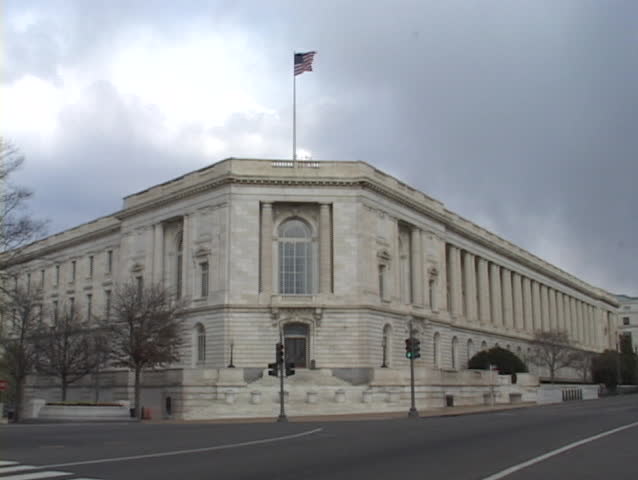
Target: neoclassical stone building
337, 258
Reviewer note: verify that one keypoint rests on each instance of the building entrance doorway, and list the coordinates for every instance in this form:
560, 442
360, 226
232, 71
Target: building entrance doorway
296, 344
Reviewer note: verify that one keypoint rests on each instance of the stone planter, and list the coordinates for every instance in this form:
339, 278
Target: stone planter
229, 397
255, 398
392, 397
366, 397
340, 396
311, 397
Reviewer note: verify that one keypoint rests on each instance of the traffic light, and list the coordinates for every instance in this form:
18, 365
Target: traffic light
279, 351
408, 348
272, 369
412, 348
290, 369
416, 348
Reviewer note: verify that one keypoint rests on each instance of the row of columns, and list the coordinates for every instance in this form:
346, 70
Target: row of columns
485, 292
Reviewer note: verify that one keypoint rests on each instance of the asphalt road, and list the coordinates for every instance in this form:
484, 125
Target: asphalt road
462, 447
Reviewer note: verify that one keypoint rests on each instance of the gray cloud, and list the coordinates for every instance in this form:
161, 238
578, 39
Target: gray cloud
521, 115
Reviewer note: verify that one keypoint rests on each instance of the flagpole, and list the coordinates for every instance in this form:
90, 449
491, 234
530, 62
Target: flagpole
294, 113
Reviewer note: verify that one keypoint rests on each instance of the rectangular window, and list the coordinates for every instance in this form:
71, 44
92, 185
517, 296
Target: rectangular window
28, 282
57, 275
55, 310
382, 281
109, 261
204, 280
625, 320
201, 347
140, 285
71, 305
107, 303
73, 270
91, 266
89, 306
295, 270
42, 278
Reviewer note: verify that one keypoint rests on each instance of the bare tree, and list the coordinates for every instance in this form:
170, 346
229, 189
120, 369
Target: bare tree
17, 228
144, 329
20, 309
553, 350
582, 362
67, 348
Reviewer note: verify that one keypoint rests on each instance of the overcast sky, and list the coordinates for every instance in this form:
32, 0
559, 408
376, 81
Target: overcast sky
519, 115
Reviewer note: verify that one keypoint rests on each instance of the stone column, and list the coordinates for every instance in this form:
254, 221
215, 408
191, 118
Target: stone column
506, 291
455, 281
544, 309
590, 324
325, 249
483, 291
266, 248
495, 297
560, 307
518, 301
594, 325
536, 302
416, 266
551, 295
571, 325
470, 286
186, 257
528, 308
158, 253
579, 315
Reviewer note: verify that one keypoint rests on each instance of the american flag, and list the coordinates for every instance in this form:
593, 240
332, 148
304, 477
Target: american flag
303, 62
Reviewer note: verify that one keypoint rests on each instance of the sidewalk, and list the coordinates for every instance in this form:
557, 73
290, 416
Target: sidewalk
437, 412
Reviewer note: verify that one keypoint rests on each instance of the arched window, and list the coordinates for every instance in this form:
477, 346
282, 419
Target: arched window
470, 349
435, 349
454, 352
483, 345
387, 346
295, 258
296, 343
199, 344
179, 247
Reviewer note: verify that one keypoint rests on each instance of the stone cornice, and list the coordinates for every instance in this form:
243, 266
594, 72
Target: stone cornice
61, 245
364, 177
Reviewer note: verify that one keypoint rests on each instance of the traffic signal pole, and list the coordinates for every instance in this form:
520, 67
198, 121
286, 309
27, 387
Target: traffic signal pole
281, 364
412, 413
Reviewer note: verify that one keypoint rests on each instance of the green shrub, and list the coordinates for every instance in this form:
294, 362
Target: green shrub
604, 369
506, 362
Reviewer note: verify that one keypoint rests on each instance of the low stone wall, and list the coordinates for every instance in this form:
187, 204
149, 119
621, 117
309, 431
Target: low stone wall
83, 413
224, 393
557, 393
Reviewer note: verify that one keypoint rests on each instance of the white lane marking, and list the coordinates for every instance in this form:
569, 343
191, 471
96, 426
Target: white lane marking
19, 468
558, 451
6, 463
36, 476
182, 452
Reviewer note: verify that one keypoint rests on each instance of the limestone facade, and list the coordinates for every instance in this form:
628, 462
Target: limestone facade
337, 257
628, 318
